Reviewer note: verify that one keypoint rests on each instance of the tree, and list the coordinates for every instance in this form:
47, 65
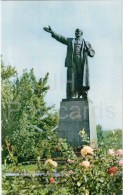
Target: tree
109, 138
100, 133
27, 122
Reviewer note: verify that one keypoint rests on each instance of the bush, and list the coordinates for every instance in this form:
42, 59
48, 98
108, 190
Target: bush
96, 171
109, 138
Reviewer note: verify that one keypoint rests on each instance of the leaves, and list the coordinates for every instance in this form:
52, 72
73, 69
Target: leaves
23, 109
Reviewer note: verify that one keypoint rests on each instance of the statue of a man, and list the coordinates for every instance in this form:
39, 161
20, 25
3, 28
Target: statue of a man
76, 62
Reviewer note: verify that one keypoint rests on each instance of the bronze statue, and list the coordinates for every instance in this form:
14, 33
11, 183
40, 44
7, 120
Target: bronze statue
76, 62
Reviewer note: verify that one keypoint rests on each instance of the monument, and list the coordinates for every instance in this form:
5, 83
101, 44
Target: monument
76, 111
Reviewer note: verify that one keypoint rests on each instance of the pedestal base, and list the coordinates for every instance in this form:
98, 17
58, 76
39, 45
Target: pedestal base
75, 115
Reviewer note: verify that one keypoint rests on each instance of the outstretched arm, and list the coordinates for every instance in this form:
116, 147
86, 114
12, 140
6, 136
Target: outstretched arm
58, 37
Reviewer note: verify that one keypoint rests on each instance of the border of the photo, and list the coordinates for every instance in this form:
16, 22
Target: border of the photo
121, 68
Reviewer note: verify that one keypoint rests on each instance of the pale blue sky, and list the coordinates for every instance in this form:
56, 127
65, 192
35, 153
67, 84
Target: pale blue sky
26, 45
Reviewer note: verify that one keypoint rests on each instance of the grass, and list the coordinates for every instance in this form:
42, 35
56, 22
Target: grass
18, 168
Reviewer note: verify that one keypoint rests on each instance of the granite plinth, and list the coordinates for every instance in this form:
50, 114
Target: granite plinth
75, 115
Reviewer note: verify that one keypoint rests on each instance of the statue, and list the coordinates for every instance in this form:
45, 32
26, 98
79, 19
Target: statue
76, 62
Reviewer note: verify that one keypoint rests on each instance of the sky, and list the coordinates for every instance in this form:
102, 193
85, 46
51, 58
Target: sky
26, 45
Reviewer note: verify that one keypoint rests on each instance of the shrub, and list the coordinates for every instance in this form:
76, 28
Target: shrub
96, 171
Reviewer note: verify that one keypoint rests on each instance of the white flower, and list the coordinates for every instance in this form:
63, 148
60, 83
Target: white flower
85, 163
86, 150
50, 161
111, 152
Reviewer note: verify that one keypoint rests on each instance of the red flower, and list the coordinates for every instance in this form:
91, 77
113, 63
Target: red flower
113, 170
52, 180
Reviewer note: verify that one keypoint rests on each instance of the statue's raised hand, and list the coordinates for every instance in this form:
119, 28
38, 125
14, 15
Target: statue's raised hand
48, 29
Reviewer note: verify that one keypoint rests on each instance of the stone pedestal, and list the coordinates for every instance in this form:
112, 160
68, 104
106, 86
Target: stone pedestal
75, 115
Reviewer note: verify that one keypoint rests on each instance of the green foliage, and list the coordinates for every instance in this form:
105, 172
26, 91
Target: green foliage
100, 133
74, 178
113, 138
32, 186
27, 122
109, 138
87, 174
64, 149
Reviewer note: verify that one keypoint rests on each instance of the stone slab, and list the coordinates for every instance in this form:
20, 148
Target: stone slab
75, 115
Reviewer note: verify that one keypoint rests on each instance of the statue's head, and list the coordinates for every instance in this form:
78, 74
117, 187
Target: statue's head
78, 33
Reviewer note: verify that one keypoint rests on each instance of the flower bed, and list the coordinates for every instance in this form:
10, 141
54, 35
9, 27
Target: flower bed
96, 171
